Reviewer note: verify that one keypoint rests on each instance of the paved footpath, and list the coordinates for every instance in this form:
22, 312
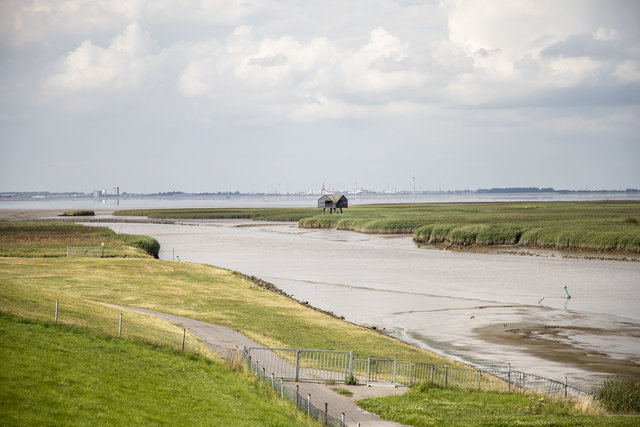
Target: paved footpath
225, 340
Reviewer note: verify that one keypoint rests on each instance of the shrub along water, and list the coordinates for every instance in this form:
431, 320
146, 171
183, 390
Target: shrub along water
78, 213
620, 394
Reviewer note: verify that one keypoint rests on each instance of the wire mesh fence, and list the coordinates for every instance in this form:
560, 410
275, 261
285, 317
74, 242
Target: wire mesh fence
323, 365
316, 410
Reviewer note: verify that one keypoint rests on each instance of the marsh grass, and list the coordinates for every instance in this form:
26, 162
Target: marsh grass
50, 239
620, 394
598, 226
78, 213
60, 375
429, 405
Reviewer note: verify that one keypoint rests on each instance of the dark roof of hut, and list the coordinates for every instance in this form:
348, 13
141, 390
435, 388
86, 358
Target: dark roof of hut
334, 197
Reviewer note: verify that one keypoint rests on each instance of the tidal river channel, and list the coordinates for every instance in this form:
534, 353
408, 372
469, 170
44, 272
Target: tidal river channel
485, 309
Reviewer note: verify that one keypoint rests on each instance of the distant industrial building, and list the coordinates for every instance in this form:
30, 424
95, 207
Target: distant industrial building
115, 192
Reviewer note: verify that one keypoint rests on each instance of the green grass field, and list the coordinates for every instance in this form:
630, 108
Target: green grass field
596, 226
54, 375
50, 239
66, 372
430, 405
30, 286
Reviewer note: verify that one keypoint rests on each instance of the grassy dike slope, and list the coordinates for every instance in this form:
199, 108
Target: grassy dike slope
29, 288
596, 226
57, 375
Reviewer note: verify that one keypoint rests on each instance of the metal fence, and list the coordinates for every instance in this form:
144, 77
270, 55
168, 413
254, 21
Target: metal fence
326, 365
304, 403
303, 365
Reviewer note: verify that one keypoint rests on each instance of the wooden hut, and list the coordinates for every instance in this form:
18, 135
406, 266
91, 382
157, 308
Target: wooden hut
333, 202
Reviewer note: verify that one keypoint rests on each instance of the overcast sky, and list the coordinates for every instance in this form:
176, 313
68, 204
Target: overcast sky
253, 95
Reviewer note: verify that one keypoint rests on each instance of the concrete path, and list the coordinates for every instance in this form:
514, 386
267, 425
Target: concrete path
225, 340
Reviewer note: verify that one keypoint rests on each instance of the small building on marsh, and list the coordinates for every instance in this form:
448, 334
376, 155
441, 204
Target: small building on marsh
333, 202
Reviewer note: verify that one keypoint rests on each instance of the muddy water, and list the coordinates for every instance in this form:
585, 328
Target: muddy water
483, 309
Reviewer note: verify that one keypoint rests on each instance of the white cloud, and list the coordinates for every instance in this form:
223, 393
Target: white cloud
522, 48
119, 66
503, 52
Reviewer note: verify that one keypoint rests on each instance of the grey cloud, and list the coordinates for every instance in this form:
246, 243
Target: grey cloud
268, 61
578, 45
484, 52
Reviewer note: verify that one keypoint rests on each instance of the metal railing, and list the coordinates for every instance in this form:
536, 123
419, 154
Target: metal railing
326, 365
303, 365
305, 403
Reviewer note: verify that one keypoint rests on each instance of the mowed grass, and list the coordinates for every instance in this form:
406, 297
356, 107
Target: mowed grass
55, 375
30, 286
431, 405
598, 226
50, 239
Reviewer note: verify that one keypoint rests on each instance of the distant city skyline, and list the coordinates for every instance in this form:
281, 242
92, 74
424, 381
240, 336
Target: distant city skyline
265, 96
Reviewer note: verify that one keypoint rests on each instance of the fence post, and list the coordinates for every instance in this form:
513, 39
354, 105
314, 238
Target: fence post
509, 375
120, 326
395, 363
433, 368
56, 311
184, 333
342, 418
272, 380
257, 369
281, 388
524, 381
298, 396
308, 404
413, 368
297, 365
350, 363
368, 370
566, 384
326, 413
445, 374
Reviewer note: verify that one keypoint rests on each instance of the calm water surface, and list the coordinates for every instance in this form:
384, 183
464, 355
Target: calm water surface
435, 299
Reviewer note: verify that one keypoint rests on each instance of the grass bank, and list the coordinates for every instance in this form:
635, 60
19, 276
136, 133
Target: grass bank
594, 226
431, 405
66, 376
50, 239
30, 286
